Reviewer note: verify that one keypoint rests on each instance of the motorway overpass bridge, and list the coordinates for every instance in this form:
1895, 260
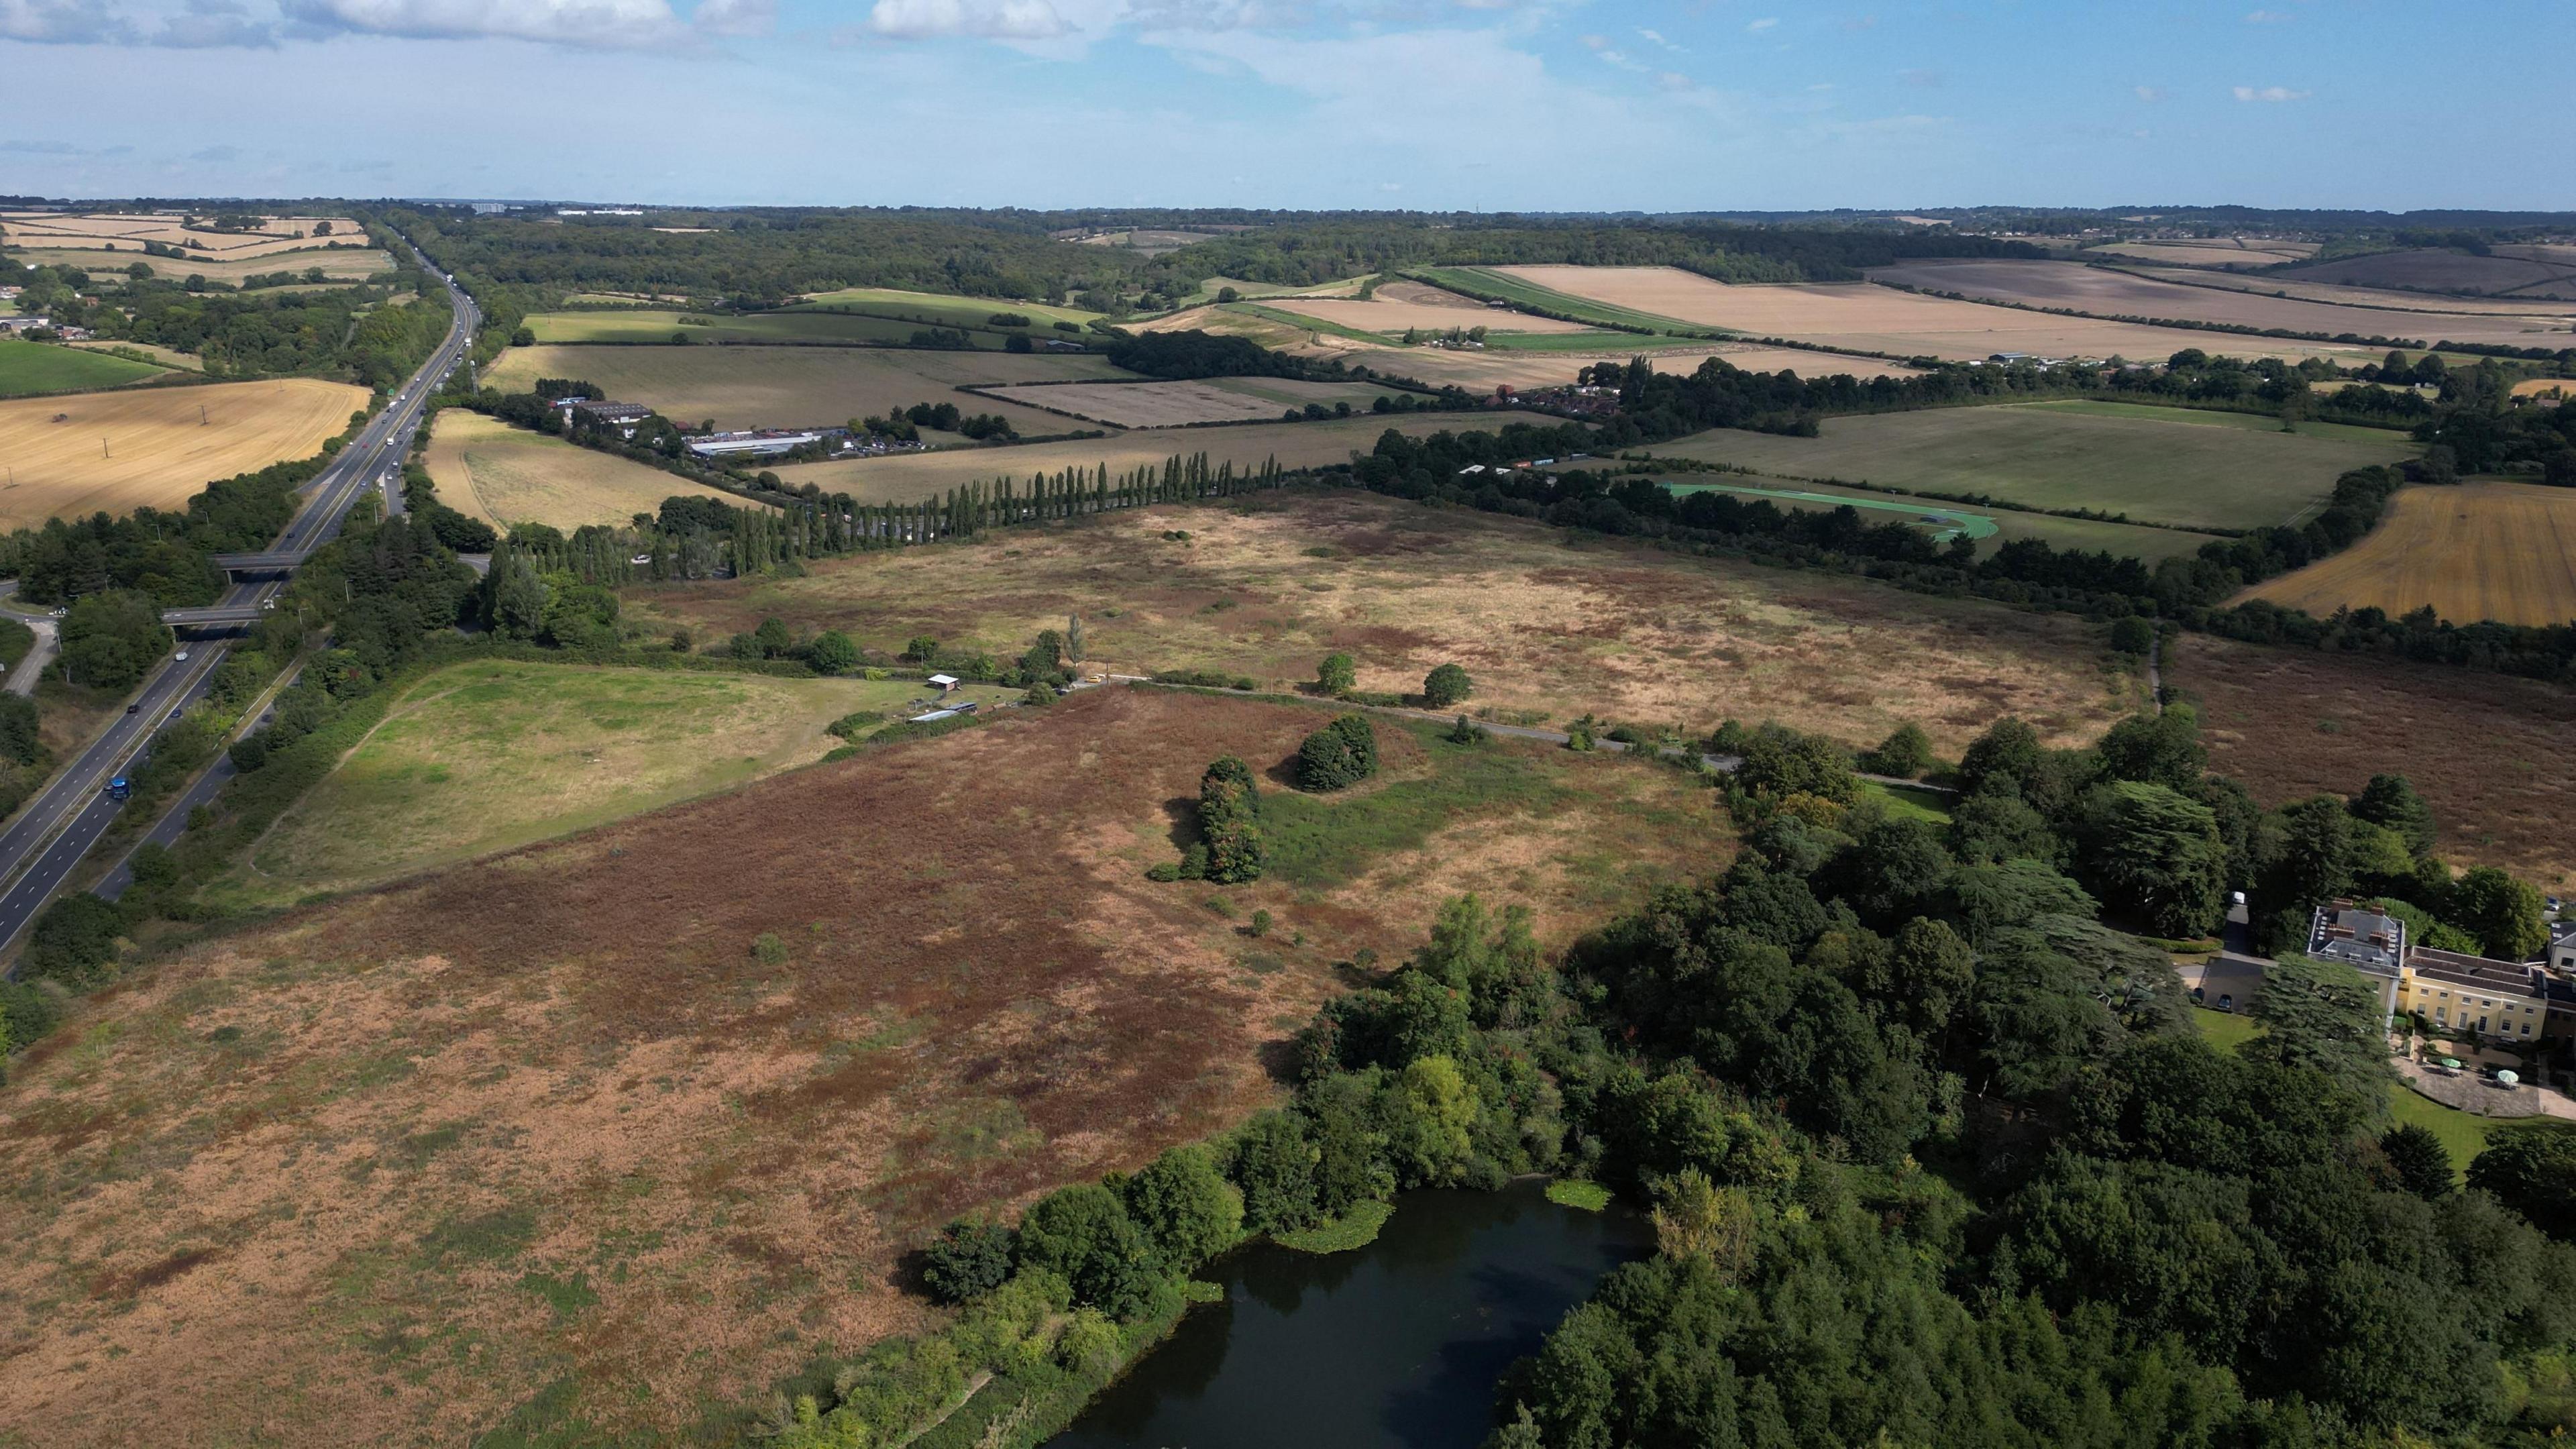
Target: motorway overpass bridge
217, 616
281, 561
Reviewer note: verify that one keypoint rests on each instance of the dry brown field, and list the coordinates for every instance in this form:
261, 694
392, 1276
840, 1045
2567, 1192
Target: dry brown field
1399, 305
2545, 387
127, 232
381, 1171
503, 475
2254, 253
1543, 622
2104, 292
1178, 404
2496, 756
341, 264
912, 477
1482, 371
1867, 318
119, 451
2445, 271
2502, 551
759, 387
2277, 284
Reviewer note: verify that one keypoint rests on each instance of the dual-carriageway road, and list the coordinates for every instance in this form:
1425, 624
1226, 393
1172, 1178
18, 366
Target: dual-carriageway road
57, 830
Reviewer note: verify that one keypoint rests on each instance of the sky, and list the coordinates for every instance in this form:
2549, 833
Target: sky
1434, 105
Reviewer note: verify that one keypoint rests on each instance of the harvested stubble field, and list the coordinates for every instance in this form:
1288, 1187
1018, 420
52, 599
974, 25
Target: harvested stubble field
342, 264
643, 1120
947, 311
1542, 621
1866, 318
1179, 404
127, 232
504, 475
2503, 551
2496, 756
2184, 471
762, 387
912, 477
2105, 292
27, 368
1399, 305
1482, 372
495, 754
159, 447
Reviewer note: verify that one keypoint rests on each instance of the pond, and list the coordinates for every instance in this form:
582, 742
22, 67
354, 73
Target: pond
1396, 1344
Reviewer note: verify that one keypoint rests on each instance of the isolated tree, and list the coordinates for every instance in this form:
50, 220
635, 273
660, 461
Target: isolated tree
1336, 675
1340, 754
2323, 1016
2423, 1164
2006, 759
2502, 912
921, 649
2153, 854
2160, 749
2532, 1170
832, 653
1905, 754
1445, 686
2390, 802
1229, 822
1074, 650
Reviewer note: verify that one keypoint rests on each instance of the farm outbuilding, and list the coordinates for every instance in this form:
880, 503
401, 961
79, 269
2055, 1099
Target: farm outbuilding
943, 682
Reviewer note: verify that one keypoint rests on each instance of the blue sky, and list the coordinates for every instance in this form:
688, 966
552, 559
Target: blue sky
1653, 105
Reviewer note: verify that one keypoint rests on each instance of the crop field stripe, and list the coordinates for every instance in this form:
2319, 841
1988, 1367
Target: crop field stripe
1470, 280
2502, 551
1973, 525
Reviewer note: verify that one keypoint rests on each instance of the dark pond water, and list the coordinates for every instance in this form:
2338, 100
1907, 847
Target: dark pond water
1395, 1344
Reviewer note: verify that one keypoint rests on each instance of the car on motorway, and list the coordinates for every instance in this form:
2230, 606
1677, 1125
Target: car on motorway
135, 708
182, 656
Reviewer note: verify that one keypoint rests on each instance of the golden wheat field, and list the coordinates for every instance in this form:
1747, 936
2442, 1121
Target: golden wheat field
504, 475
128, 231
1866, 318
68, 457
2503, 551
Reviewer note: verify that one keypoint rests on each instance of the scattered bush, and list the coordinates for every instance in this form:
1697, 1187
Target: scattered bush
1339, 755
1336, 675
1446, 686
1905, 754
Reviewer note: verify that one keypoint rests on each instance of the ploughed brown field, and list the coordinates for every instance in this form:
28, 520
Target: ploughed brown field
1866, 318
1544, 623
2502, 551
649, 1115
2496, 756
2106, 292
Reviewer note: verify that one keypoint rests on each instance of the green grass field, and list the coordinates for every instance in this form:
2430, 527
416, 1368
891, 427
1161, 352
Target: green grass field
28, 368
492, 754
1992, 529
1906, 802
2154, 468
930, 307
1485, 282
2248, 422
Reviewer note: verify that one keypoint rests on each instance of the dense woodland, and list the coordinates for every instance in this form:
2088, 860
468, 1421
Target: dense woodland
1935, 1153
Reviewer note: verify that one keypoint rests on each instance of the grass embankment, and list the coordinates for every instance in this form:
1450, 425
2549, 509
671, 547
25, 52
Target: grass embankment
490, 754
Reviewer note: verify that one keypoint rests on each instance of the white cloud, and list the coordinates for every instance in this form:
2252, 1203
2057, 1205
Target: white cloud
735, 17
2267, 17
206, 24
985, 19
2269, 93
603, 23
1765, 23
2148, 93
61, 22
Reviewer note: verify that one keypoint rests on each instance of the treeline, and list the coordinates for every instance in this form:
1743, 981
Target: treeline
352, 332
164, 553
1203, 354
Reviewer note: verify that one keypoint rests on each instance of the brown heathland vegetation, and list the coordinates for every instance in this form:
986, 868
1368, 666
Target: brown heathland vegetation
2496, 756
2503, 551
118, 451
1543, 622
649, 1115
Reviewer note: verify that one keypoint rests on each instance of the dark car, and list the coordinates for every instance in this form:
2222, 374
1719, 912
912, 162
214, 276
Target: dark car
134, 709
2226, 1001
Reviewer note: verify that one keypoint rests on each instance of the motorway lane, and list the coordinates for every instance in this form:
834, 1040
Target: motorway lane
73, 802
